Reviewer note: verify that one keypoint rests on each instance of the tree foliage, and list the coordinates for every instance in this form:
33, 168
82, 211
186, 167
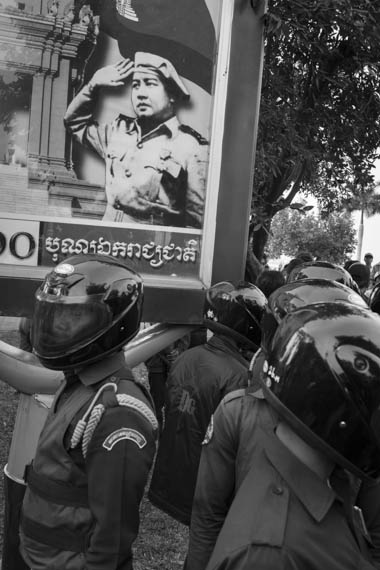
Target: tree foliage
331, 238
366, 200
319, 123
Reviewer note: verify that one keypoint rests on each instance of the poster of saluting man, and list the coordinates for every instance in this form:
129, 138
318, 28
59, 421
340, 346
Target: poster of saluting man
115, 100
141, 121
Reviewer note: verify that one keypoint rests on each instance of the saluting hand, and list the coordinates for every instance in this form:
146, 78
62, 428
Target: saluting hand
113, 75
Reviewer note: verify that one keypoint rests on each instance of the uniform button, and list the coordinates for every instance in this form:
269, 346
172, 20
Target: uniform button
128, 173
277, 490
139, 145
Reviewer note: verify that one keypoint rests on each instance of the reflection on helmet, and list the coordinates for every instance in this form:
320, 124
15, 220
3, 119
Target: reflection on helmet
235, 311
322, 270
322, 374
301, 293
85, 309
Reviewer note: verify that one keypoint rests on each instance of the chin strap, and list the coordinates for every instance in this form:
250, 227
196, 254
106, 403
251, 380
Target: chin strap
87, 424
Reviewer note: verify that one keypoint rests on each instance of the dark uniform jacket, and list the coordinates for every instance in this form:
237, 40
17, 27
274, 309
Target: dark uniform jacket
199, 379
257, 506
155, 178
81, 509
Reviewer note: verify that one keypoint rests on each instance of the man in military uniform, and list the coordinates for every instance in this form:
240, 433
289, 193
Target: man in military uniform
198, 380
155, 166
278, 475
84, 487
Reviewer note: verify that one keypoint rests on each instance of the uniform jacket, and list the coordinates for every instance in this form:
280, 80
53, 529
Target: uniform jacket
81, 512
158, 177
199, 379
257, 506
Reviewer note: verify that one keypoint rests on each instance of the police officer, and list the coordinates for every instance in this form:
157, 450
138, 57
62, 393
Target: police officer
155, 166
275, 488
199, 378
285, 300
84, 487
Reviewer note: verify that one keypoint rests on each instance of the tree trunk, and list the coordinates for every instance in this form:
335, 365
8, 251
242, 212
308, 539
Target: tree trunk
259, 240
253, 267
360, 235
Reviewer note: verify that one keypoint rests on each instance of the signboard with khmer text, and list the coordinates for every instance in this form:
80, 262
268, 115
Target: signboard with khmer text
115, 140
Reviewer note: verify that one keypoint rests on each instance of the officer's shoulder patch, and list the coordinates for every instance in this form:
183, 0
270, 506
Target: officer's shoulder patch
234, 395
190, 131
122, 434
209, 432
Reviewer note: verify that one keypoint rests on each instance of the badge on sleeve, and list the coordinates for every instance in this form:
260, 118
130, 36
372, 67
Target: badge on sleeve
209, 432
124, 433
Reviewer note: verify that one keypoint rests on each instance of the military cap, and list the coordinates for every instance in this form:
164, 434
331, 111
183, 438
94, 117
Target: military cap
152, 63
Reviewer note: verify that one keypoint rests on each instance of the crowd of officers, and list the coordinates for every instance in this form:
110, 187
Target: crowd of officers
265, 436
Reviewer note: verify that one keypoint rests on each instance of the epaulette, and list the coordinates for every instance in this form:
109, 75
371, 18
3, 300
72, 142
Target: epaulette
190, 131
122, 117
128, 120
85, 427
234, 395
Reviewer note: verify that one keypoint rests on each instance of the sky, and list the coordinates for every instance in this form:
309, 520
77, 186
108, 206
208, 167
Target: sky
371, 236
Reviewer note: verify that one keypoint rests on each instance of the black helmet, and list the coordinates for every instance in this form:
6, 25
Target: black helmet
322, 375
235, 311
298, 294
360, 274
374, 299
86, 308
322, 270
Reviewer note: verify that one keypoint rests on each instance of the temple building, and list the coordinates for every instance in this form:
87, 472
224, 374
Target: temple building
44, 48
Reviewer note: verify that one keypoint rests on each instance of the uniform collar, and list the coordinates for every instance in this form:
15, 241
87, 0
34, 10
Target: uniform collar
315, 494
100, 370
172, 125
169, 127
228, 345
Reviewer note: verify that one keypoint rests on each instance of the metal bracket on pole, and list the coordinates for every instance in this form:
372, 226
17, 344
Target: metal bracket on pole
22, 370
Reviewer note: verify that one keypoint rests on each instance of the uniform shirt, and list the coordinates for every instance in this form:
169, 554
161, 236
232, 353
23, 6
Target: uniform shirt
114, 471
257, 506
158, 177
369, 501
199, 379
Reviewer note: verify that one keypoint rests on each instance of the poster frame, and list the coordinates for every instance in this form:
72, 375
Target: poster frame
227, 214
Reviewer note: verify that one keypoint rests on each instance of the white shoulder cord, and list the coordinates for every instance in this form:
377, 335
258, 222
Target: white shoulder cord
251, 365
85, 429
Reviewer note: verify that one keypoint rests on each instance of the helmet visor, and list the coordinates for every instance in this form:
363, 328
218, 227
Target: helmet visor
61, 327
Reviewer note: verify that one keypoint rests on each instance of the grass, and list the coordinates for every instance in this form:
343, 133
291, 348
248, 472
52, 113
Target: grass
162, 541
